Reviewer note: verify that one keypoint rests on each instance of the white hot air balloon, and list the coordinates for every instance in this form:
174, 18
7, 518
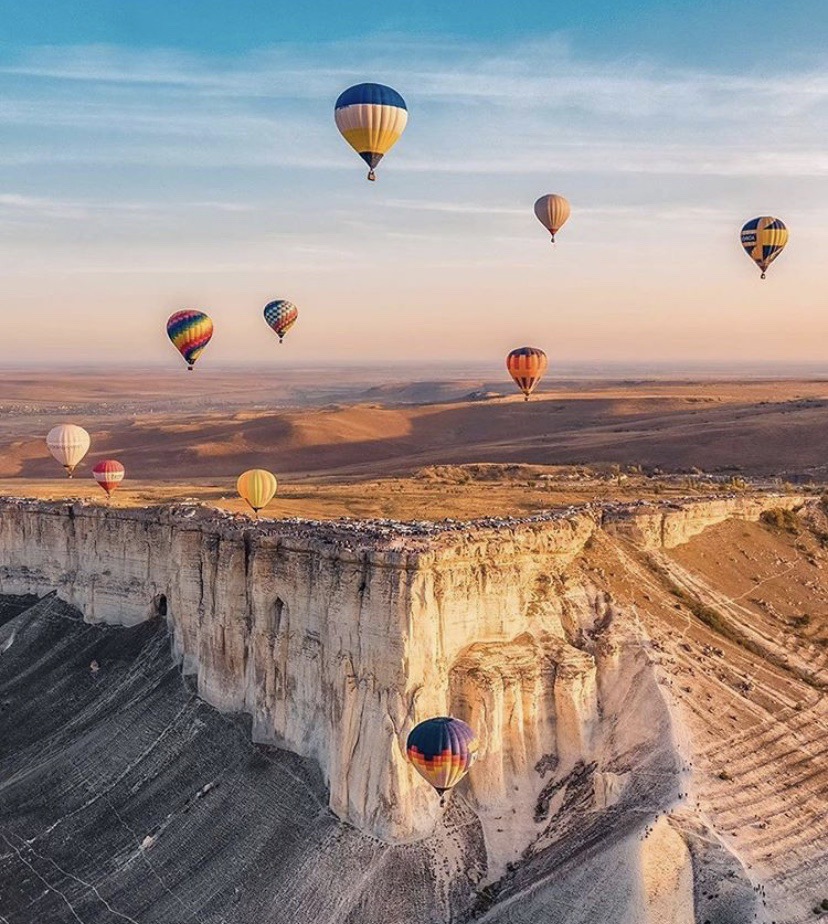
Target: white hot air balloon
68, 444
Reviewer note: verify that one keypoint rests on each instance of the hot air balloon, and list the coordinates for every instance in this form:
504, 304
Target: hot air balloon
190, 331
257, 487
527, 365
281, 315
109, 474
764, 239
68, 444
442, 751
371, 118
552, 212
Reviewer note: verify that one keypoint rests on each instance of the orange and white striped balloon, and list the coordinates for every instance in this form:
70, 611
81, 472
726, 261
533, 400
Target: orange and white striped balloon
527, 365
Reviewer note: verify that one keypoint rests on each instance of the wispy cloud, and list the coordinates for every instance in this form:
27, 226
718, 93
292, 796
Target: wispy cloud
476, 108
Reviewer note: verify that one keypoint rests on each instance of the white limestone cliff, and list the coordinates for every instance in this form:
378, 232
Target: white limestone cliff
337, 638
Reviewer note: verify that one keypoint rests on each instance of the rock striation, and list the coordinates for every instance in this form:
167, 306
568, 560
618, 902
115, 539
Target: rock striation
336, 638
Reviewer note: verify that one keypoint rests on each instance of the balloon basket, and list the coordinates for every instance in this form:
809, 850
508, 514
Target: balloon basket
372, 176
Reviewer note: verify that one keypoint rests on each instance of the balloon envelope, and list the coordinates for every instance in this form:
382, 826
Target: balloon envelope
371, 118
257, 487
68, 443
552, 212
527, 365
281, 315
109, 474
764, 239
190, 331
442, 750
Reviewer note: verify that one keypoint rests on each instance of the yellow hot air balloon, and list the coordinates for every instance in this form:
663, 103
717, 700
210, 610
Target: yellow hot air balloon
257, 487
371, 118
68, 443
552, 212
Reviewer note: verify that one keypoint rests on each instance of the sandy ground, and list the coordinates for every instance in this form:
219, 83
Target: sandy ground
186, 428
737, 616
381, 447
436, 492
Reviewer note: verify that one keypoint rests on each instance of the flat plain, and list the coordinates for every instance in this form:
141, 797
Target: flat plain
376, 442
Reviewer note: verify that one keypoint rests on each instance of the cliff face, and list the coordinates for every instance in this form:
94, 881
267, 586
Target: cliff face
338, 638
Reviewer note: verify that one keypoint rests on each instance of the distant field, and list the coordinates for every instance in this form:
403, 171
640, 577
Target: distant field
188, 428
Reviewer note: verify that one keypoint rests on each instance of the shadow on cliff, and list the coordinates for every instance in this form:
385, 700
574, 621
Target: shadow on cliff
124, 797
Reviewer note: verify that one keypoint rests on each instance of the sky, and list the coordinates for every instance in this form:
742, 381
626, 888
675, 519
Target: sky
160, 155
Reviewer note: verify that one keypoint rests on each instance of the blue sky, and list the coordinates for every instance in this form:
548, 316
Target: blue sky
161, 155
699, 32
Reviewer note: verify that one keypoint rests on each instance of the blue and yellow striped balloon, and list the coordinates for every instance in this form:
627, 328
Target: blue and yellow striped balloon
371, 118
764, 239
190, 331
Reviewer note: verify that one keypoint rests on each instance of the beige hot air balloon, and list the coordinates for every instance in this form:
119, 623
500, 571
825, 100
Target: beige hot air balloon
552, 212
257, 487
68, 443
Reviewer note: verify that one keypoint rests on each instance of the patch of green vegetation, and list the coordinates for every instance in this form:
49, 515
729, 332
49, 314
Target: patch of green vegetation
781, 518
799, 622
485, 899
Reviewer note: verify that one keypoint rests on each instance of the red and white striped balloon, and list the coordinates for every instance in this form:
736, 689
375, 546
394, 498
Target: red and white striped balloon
109, 474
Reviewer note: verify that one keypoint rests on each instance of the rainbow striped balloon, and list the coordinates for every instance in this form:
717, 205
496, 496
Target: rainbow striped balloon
281, 315
371, 118
442, 751
190, 331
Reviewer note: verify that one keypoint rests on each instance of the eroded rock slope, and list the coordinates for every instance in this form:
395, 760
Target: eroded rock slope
582, 646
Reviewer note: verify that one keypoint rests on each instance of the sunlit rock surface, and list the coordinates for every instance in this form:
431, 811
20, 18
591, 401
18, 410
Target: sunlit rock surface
320, 646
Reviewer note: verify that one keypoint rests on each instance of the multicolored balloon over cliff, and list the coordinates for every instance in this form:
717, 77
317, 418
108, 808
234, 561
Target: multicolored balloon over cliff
280, 315
764, 239
371, 118
442, 751
190, 331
